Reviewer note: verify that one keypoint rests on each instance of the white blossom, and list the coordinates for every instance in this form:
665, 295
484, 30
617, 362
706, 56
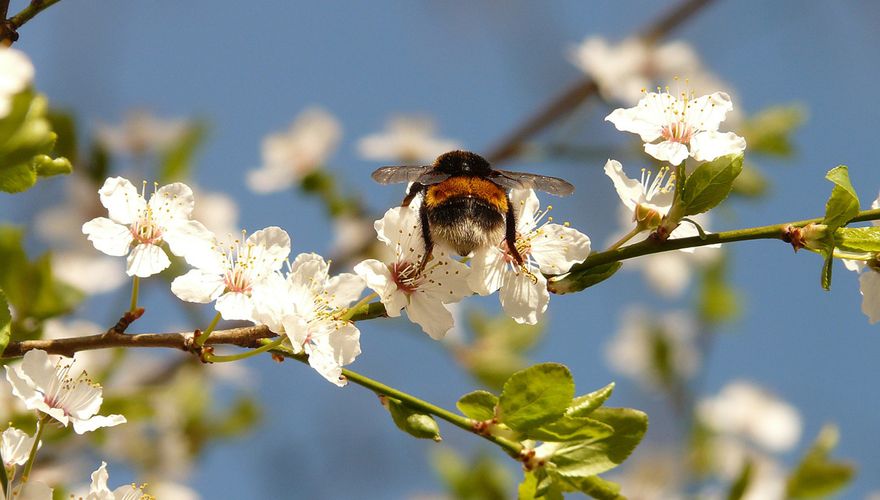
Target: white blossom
217, 211
290, 155
686, 126
48, 387
729, 455
15, 446
98, 489
407, 139
228, 273
633, 350
141, 133
667, 272
624, 70
91, 361
137, 228
307, 306
545, 248
744, 410
16, 74
402, 285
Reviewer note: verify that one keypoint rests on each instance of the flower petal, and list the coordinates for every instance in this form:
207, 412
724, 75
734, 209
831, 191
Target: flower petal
97, 422
646, 118
191, 240
343, 289
487, 271
172, 203
525, 206
556, 248
524, 298
869, 286
399, 229
429, 312
108, 236
15, 445
99, 481
708, 111
34, 490
198, 286
235, 305
378, 278
673, 152
272, 247
706, 146
146, 260
630, 191
122, 200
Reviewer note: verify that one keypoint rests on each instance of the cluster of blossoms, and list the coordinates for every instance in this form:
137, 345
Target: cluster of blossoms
247, 280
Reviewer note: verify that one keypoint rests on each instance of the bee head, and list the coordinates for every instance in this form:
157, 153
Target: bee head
462, 163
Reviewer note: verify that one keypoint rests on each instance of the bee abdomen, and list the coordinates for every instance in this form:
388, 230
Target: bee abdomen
466, 223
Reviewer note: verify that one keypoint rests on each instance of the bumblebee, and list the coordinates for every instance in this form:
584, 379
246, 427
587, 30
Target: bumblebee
465, 202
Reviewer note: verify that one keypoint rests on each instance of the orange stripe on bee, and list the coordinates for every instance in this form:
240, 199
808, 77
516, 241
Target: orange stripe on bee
476, 187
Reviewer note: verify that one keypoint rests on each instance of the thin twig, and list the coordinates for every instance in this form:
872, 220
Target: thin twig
9, 29
570, 99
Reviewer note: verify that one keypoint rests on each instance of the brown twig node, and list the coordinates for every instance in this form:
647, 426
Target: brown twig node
124, 322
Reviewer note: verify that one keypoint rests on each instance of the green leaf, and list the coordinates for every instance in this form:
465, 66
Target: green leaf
63, 124
739, 487
768, 132
588, 458
593, 486
568, 428
177, 161
415, 424
480, 478
858, 239
578, 280
5, 325
528, 487
535, 396
17, 178
709, 184
584, 405
478, 405
817, 475
827, 267
843, 204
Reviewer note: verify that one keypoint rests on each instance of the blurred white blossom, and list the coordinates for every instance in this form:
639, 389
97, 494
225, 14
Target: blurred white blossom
635, 349
685, 125
402, 285
15, 446
217, 211
728, 457
747, 411
48, 387
306, 306
351, 233
141, 133
16, 74
624, 70
228, 273
545, 248
407, 140
31, 490
290, 155
137, 228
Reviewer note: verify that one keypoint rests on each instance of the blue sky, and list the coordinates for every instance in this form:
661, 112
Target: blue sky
479, 68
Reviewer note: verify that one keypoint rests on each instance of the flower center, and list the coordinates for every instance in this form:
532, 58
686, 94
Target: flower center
678, 131
406, 276
238, 278
145, 230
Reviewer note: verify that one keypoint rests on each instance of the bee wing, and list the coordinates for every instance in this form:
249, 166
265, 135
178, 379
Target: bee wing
523, 180
423, 175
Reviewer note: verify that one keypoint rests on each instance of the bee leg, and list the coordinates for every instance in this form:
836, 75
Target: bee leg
510, 234
426, 236
413, 192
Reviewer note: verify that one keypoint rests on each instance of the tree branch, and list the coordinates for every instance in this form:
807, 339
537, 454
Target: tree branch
568, 100
9, 29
